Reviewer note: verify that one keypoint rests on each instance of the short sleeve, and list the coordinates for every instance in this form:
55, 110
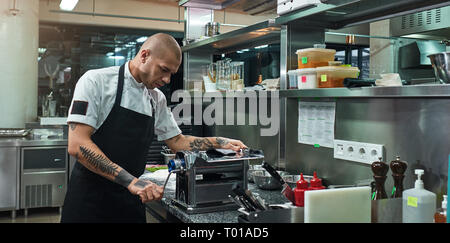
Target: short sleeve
85, 103
165, 125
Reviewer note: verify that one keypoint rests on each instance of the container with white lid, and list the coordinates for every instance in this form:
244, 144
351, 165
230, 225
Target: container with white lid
314, 57
307, 78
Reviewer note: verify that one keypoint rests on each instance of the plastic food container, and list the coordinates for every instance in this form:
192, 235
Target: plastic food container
293, 82
314, 57
307, 78
333, 76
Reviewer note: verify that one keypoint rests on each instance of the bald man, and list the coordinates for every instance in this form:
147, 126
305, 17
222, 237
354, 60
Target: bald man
114, 114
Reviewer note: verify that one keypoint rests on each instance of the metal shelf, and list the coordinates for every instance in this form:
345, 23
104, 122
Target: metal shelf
266, 32
410, 91
337, 14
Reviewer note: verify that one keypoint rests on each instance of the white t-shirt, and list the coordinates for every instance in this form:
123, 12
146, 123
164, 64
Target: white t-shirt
97, 89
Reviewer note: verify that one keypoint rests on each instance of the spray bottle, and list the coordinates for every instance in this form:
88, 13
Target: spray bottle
419, 205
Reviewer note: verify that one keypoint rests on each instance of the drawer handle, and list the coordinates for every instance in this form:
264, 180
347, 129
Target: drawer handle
57, 160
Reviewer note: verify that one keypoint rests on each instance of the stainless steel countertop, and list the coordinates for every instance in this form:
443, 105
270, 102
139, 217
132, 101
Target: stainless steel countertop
31, 141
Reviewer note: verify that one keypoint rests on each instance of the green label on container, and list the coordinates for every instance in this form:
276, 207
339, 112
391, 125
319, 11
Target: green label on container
316, 145
412, 201
304, 60
323, 77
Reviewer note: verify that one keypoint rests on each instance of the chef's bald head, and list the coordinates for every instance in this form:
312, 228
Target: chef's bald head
160, 44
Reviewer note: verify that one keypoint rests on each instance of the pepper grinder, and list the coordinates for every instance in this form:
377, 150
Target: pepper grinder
379, 169
398, 169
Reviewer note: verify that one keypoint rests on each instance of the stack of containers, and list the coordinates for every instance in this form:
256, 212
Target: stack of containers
308, 60
317, 69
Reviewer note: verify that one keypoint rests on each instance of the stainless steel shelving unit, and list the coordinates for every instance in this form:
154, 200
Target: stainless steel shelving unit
335, 14
262, 33
410, 91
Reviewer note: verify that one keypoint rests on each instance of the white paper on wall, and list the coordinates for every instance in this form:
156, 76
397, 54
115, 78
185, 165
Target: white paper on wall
316, 123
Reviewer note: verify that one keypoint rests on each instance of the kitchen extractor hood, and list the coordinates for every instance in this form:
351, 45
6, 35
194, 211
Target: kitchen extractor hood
433, 24
415, 55
252, 7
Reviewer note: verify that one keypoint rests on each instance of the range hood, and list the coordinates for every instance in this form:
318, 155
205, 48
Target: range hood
433, 24
252, 7
414, 55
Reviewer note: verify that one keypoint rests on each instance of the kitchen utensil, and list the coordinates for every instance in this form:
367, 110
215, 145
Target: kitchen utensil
287, 191
250, 171
398, 169
266, 181
246, 196
344, 205
441, 66
14, 132
236, 201
168, 176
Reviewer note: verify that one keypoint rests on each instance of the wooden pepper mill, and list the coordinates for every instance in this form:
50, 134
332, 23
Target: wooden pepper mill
398, 169
379, 169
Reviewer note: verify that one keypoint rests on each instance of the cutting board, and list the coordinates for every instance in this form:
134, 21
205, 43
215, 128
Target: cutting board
341, 205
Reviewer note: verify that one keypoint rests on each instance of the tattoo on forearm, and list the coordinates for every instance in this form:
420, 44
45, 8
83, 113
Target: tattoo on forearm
124, 178
200, 144
106, 166
222, 141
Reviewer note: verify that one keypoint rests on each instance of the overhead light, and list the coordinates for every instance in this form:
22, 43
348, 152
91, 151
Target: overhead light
141, 39
261, 47
68, 5
117, 57
110, 54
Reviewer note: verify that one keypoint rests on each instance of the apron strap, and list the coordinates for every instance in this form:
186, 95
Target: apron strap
120, 85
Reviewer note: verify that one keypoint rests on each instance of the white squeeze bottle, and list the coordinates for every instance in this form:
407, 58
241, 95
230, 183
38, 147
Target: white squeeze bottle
419, 205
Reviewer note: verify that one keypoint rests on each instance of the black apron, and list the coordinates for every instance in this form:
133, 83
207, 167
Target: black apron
124, 138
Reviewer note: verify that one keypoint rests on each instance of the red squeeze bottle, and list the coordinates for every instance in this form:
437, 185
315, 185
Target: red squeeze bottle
299, 191
316, 183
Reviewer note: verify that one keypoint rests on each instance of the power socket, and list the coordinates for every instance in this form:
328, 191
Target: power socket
366, 153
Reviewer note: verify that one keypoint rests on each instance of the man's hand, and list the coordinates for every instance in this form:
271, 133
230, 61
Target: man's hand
146, 190
226, 143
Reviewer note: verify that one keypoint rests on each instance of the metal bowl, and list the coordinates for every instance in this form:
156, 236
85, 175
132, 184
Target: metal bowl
265, 181
291, 180
441, 66
252, 168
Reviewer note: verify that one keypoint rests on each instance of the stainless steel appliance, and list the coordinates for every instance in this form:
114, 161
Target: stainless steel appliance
43, 177
9, 179
205, 180
441, 66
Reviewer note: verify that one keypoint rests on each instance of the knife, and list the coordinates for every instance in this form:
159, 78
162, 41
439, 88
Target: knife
255, 200
287, 191
241, 193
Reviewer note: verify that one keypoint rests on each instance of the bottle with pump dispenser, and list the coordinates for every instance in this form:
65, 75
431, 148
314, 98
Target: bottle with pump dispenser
441, 214
418, 204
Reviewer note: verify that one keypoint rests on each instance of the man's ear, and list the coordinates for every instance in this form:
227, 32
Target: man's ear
145, 54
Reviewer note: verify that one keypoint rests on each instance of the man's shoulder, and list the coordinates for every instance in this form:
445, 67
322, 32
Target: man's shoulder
103, 72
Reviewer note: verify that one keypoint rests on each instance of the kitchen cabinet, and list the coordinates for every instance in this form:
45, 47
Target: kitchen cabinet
8, 179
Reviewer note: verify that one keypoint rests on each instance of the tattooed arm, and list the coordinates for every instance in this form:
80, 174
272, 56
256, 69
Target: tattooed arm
182, 142
89, 155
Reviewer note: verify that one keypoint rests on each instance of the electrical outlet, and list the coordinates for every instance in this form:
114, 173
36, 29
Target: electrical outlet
359, 152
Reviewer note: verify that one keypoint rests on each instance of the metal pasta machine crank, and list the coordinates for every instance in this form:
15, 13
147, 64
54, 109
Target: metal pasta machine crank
205, 178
